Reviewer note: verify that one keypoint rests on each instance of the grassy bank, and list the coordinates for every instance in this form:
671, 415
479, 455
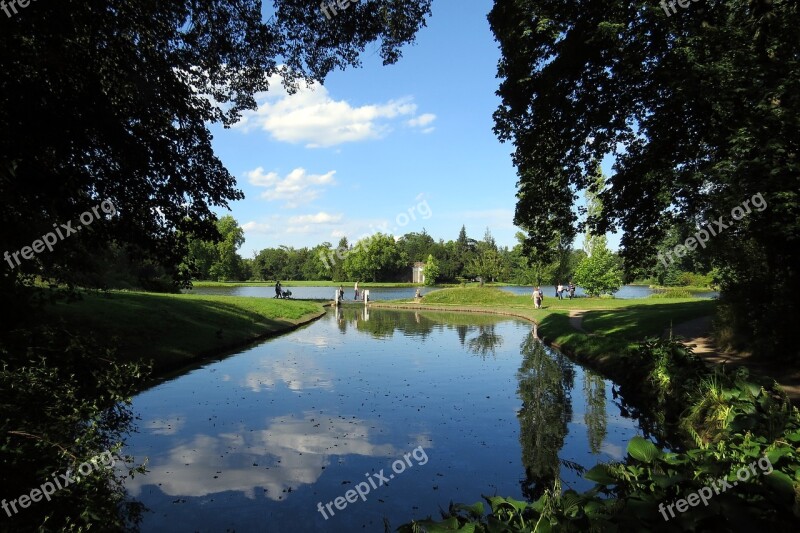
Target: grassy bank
174, 330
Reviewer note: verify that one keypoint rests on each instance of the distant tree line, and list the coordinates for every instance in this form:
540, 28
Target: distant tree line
382, 258
377, 258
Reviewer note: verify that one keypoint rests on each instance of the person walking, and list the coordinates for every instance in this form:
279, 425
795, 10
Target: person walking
571, 290
277, 288
560, 291
355, 297
537, 298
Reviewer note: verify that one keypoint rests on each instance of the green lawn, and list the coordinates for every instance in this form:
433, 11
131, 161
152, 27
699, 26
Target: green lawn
637, 321
483, 296
174, 329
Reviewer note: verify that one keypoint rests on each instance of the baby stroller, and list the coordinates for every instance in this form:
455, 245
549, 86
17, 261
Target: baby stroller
287, 294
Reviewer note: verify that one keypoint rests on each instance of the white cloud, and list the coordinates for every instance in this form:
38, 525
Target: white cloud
295, 188
319, 218
256, 227
166, 426
313, 117
422, 121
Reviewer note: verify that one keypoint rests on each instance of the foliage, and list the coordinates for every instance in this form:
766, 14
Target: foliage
671, 100
598, 273
373, 258
431, 271
485, 265
285, 262
417, 246
456, 259
218, 260
132, 89
65, 400
672, 293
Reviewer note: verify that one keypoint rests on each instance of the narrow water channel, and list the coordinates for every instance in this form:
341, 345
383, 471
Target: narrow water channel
407, 410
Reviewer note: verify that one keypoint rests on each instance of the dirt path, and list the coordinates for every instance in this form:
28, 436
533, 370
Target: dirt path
576, 320
698, 332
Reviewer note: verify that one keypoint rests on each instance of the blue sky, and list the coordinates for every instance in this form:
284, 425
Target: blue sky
397, 148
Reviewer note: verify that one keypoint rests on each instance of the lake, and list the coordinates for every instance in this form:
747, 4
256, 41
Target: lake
396, 293
442, 406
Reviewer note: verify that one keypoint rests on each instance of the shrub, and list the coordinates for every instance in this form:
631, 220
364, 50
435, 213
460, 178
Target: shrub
672, 293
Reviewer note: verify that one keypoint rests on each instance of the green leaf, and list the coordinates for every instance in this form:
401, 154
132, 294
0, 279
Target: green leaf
600, 474
643, 450
475, 510
774, 455
664, 481
793, 436
780, 483
571, 501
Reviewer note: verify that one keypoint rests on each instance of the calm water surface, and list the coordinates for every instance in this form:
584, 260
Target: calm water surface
255, 442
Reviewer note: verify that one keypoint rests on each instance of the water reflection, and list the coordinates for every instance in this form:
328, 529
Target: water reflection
594, 394
545, 383
265, 435
287, 454
485, 342
297, 373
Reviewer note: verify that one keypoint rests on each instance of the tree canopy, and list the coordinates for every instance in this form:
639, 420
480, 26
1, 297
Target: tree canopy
111, 100
699, 112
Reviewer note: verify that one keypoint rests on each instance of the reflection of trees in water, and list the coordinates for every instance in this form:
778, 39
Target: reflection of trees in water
383, 323
486, 342
545, 382
462, 333
594, 390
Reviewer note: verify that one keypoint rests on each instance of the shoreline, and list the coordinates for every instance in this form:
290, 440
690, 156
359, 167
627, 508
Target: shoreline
607, 371
170, 371
178, 332
612, 367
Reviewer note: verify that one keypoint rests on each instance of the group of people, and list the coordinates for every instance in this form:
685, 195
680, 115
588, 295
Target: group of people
569, 289
341, 292
538, 293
